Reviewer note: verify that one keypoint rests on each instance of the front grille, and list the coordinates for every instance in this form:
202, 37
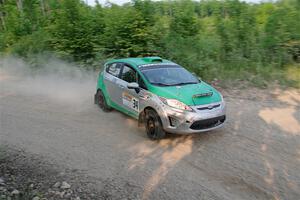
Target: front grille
208, 123
208, 107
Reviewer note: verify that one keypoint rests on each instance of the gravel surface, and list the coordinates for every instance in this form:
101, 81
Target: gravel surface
255, 156
29, 176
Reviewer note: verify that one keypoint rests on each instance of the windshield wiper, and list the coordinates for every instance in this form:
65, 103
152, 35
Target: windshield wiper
185, 83
162, 84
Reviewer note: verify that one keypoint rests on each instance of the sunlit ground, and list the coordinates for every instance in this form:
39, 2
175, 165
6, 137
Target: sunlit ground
284, 117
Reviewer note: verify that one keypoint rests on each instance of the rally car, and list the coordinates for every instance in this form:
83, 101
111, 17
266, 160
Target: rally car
161, 94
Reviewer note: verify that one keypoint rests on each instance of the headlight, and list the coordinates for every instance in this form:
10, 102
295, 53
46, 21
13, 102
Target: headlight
222, 101
222, 98
175, 104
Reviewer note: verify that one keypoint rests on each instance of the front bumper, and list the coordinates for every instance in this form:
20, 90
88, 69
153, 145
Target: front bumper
204, 118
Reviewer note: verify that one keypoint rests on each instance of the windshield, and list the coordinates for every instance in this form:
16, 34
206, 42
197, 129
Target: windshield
169, 75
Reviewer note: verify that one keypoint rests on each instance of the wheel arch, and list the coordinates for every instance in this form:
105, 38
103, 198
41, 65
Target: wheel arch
143, 113
106, 95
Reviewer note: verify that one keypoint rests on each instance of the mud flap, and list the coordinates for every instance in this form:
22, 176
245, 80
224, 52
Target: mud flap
95, 98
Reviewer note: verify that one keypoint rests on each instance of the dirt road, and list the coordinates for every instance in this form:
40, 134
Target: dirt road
255, 156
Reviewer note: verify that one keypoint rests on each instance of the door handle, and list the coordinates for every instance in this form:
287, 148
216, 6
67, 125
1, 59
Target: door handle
122, 86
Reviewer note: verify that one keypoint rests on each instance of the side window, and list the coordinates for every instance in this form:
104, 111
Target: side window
114, 69
141, 83
128, 74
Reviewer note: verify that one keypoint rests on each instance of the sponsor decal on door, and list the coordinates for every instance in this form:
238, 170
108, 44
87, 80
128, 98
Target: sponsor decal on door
130, 101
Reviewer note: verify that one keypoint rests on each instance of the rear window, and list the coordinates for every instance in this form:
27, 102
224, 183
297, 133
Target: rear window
114, 69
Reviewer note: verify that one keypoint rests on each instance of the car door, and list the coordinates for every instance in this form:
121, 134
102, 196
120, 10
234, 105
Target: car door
112, 82
131, 98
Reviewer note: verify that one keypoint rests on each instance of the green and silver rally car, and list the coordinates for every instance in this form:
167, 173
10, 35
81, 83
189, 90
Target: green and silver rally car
161, 94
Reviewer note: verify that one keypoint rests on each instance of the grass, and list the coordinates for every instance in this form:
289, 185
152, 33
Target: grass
261, 77
292, 73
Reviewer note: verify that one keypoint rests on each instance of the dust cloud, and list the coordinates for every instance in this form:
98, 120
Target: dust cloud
55, 79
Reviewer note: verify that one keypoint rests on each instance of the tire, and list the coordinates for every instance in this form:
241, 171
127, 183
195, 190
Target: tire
101, 101
153, 125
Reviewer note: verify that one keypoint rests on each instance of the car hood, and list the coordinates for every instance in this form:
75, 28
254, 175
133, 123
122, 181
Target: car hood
191, 94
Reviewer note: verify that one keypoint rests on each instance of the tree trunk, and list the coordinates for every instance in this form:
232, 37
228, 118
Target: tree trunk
43, 7
2, 21
20, 5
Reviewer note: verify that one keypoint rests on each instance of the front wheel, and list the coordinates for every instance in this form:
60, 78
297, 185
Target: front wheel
101, 101
153, 125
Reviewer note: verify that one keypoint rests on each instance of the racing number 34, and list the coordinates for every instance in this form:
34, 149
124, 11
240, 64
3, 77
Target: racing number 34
135, 104
130, 101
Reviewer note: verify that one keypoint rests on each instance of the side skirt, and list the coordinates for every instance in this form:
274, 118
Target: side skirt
125, 111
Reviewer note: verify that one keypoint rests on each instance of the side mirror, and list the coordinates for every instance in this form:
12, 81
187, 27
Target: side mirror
134, 86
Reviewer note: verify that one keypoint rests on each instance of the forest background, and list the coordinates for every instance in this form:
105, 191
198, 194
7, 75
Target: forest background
227, 40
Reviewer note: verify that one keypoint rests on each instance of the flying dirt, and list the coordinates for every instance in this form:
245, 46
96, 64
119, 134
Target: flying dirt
50, 112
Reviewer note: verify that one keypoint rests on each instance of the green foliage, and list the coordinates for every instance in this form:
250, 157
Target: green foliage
184, 20
127, 32
226, 39
76, 30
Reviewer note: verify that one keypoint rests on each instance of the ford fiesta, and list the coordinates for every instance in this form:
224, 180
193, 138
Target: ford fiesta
161, 94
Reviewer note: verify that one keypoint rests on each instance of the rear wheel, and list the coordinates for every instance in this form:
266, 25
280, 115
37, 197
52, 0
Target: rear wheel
153, 125
101, 101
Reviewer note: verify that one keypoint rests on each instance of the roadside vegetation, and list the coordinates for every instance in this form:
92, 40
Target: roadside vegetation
226, 40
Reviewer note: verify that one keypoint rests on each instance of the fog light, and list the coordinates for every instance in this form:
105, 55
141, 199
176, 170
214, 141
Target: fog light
173, 121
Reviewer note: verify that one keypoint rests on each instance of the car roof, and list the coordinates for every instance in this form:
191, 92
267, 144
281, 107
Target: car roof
137, 62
